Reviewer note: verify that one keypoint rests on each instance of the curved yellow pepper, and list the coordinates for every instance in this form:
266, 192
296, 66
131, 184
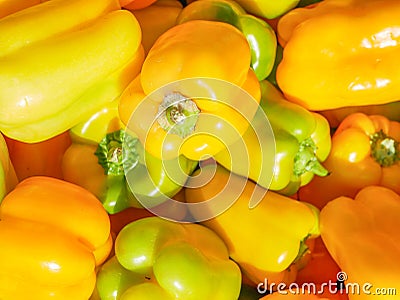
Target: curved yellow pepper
340, 53
54, 76
264, 240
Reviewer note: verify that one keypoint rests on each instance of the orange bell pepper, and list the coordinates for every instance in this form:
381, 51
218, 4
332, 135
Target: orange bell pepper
362, 236
340, 53
42, 158
8, 177
365, 151
8, 7
53, 234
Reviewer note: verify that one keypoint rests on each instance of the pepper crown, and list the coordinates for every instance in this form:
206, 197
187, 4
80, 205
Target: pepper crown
116, 153
113, 157
306, 160
384, 149
178, 114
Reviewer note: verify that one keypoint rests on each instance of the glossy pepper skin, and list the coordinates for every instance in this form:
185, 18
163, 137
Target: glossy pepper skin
269, 9
84, 68
269, 237
150, 22
95, 161
8, 7
302, 142
136, 4
8, 176
259, 34
350, 63
53, 235
365, 151
159, 259
207, 112
365, 240
42, 158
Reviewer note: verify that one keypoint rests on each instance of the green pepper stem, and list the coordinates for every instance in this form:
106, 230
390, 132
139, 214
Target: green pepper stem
113, 157
307, 161
384, 149
115, 196
178, 114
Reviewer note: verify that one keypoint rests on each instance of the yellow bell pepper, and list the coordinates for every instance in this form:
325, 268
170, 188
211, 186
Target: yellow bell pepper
189, 99
340, 53
260, 35
266, 240
60, 61
362, 236
53, 235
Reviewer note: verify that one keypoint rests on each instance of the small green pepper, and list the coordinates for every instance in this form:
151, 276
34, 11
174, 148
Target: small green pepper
259, 34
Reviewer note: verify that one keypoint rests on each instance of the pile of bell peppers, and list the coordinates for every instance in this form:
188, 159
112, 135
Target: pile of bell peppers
122, 130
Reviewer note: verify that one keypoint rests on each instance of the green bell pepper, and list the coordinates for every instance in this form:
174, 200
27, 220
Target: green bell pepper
97, 161
259, 34
159, 259
302, 142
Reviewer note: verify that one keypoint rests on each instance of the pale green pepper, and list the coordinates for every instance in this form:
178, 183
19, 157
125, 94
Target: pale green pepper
162, 260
